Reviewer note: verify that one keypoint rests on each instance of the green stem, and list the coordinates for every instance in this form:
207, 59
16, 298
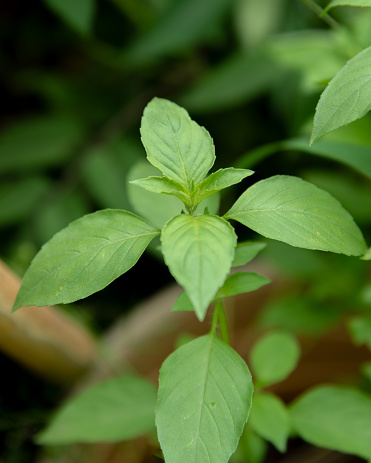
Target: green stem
320, 12
220, 319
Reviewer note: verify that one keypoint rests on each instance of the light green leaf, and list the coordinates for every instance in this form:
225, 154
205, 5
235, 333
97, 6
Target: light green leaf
237, 283
78, 14
185, 23
241, 282
85, 257
360, 330
334, 3
367, 255
274, 357
223, 178
163, 185
291, 210
39, 142
334, 417
270, 419
346, 98
18, 200
117, 409
175, 144
199, 251
225, 85
204, 400
246, 251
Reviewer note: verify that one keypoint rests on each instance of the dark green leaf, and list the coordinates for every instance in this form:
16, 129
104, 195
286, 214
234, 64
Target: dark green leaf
246, 251
19, 199
39, 142
117, 409
270, 419
175, 144
346, 98
203, 403
85, 257
199, 251
241, 282
77, 14
291, 210
226, 85
274, 357
334, 417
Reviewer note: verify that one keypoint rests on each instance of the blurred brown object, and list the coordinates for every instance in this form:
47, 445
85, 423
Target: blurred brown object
43, 339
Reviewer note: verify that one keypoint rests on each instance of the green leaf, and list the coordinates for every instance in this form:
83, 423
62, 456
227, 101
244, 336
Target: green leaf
225, 85
251, 448
334, 417
163, 185
175, 144
334, 3
18, 200
246, 251
270, 419
346, 98
204, 400
39, 142
199, 251
117, 409
85, 257
238, 283
223, 178
79, 15
291, 210
274, 357
367, 255
241, 282
185, 23
360, 330
366, 370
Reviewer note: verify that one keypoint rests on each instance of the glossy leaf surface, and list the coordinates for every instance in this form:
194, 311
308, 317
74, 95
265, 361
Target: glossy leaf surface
117, 409
180, 148
335, 417
199, 251
291, 210
85, 257
346, 98
203, 403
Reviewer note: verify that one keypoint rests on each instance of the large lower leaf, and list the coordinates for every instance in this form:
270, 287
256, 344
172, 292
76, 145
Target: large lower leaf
204, 400
116, 409
85, 257
199, 251
296, 212
334, 417
346, 98
175, 144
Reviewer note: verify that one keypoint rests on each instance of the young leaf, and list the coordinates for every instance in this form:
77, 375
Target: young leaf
175, 144
117, 409
334, 3
204, 400
163, 185
199, 251
274, 357
78, 15
246, 251
291, 210
334, 417
346, 98
85, 257
270, 419
223, 178
241, 282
